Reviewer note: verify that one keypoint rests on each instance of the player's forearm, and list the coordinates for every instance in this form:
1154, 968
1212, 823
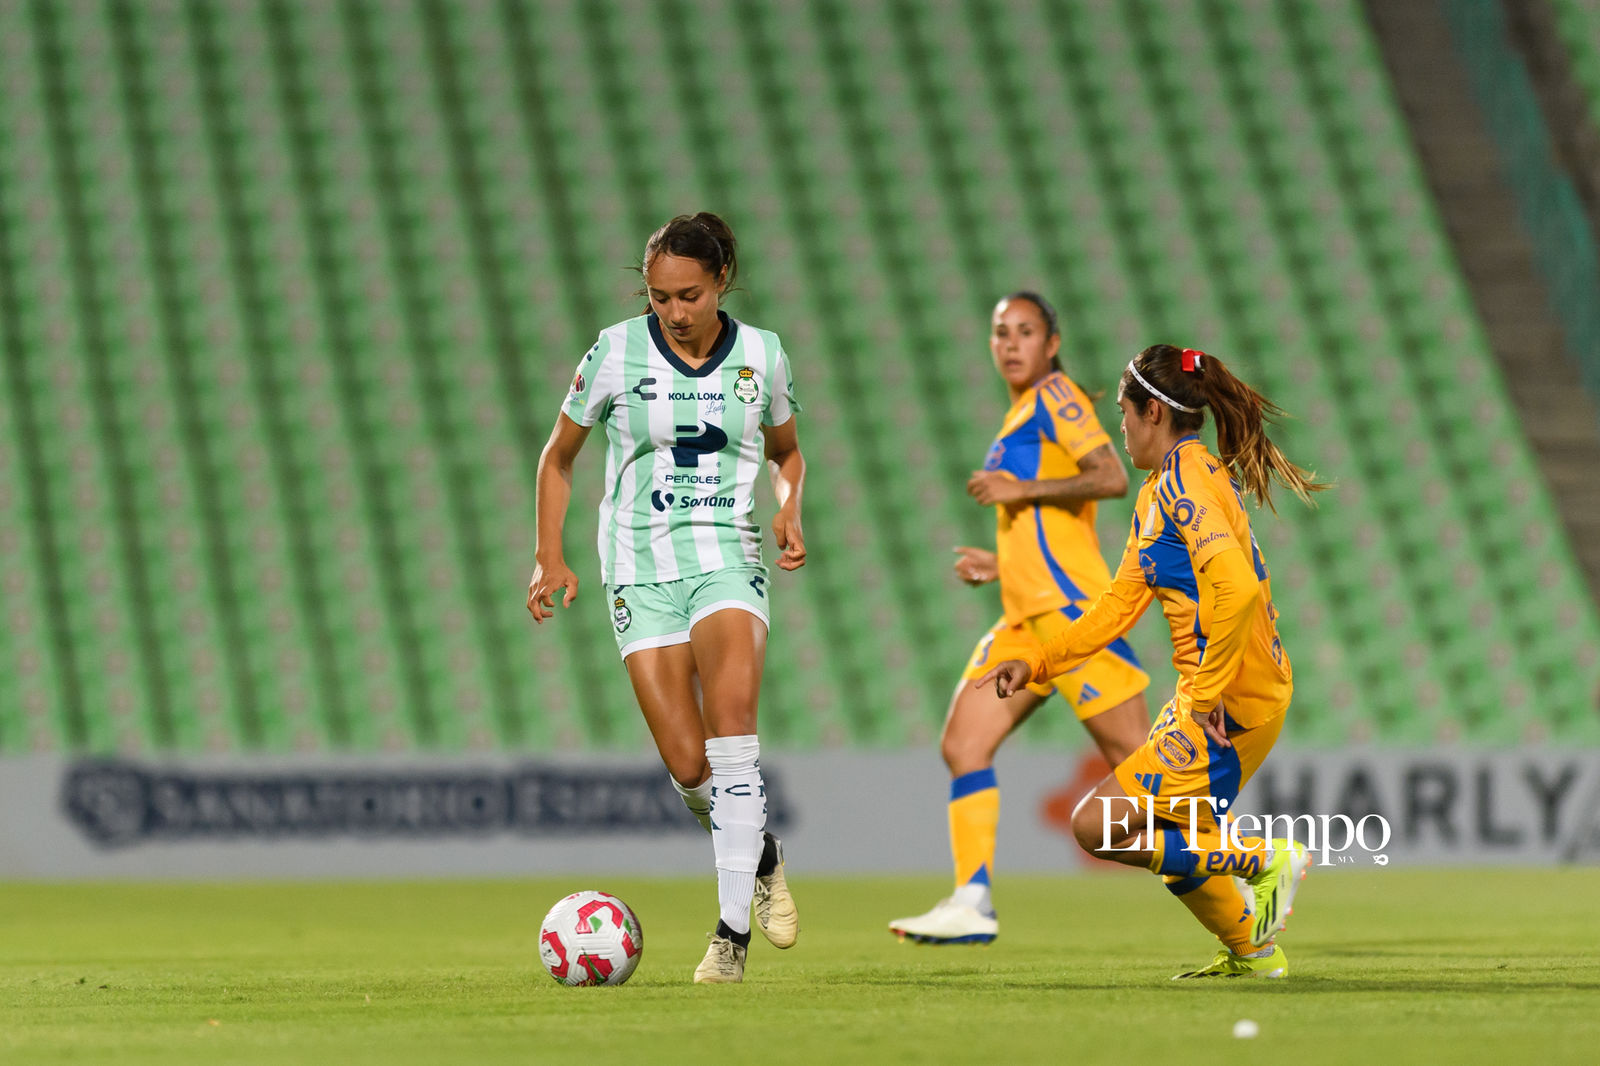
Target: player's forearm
1099, 484
552, 493
788, 478
1109, 617
1229, 593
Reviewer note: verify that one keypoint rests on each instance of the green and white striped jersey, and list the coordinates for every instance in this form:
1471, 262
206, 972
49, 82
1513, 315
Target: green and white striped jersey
683, 446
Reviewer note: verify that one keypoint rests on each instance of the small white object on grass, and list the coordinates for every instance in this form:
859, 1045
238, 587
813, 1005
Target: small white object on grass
1245, 1029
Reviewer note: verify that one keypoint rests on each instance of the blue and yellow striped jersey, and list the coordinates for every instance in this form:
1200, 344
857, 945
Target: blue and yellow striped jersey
1048, 556
1190, 546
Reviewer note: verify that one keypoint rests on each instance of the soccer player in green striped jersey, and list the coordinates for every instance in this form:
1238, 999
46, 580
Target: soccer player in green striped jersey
693, 402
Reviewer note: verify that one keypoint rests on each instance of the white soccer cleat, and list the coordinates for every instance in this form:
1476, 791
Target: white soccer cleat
950, 922
723, 964
774, 907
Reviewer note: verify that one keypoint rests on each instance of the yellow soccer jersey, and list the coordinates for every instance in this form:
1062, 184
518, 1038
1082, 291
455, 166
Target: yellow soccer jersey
1191, 548
1049, 557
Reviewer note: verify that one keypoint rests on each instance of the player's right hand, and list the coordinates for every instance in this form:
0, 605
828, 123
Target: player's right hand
976, 566
1009, 677
547, 580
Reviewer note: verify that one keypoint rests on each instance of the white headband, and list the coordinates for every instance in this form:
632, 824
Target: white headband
1157, 393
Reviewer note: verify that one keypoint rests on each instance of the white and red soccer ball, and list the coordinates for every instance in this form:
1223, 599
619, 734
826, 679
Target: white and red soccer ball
591, 938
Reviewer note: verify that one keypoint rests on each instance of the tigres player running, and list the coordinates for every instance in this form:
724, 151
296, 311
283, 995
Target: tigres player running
1047, 466
693, 402
1191, 548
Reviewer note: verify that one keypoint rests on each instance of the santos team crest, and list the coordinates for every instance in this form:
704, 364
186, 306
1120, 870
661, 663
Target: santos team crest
745, 387
621, 617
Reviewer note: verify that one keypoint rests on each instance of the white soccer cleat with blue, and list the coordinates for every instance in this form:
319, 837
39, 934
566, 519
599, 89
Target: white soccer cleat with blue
949, 922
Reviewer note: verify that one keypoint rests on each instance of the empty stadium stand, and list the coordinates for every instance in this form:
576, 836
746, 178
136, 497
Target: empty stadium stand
290, 294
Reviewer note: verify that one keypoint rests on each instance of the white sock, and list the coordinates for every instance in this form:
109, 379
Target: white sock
697, 799
738, 815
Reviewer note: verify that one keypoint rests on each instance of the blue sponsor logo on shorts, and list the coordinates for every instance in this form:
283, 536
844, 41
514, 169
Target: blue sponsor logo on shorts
1175, 749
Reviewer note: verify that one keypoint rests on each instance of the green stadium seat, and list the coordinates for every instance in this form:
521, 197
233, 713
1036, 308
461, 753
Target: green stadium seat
299, 289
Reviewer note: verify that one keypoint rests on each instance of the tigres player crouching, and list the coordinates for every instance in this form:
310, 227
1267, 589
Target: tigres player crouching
1191, 548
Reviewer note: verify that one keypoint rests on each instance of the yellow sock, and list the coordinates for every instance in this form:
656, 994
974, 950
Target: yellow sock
974, 816
1219, 906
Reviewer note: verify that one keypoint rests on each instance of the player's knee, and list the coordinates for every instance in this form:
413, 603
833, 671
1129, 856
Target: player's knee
1085, 827
955, 752
964, 753
1089, 824
689, 771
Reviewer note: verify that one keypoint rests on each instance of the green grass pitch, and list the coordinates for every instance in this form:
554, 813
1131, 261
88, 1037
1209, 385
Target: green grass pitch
1389, 966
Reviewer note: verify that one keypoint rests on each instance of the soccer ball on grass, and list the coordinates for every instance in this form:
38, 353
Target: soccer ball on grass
591, 938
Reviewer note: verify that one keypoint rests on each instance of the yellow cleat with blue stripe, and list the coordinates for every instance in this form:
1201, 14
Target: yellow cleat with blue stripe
1275, 887
1227, 964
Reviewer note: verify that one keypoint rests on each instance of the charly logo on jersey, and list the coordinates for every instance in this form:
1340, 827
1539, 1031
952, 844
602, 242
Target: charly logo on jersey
643, 390
621, 616
745, 387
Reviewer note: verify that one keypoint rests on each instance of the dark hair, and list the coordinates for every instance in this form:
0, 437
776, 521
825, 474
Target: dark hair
1051, 321
1241, 412
704, 237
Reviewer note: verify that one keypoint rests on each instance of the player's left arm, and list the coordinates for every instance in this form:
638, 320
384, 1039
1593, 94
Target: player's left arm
1100, 476
1112, 614
788, 469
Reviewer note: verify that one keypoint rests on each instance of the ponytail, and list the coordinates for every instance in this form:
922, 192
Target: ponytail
1189, 382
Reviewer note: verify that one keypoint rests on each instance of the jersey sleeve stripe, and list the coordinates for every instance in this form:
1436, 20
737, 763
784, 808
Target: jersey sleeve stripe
1041, 417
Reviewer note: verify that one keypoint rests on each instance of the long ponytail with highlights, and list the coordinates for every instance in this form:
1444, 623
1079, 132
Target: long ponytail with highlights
1198, 381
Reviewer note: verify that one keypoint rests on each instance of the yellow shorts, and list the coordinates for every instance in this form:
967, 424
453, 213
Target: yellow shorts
1179, 762
1106, 680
